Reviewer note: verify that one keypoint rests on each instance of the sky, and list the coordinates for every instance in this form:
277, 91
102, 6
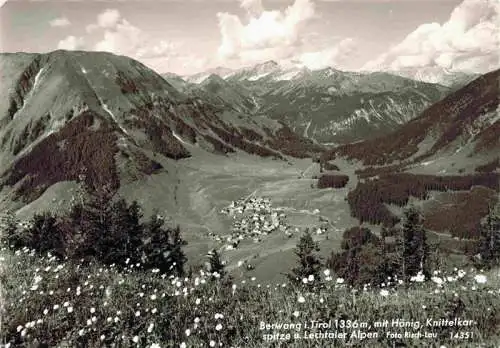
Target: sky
189, 36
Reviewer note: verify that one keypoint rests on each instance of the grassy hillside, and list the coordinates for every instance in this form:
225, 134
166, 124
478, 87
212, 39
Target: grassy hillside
70, 305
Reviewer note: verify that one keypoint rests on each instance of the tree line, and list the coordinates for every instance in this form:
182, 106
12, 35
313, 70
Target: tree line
114, 232
398, 253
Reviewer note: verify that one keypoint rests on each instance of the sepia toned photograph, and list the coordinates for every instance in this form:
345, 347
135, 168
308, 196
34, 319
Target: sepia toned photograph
249, 173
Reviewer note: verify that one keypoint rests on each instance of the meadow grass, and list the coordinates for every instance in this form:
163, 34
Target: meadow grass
67, 304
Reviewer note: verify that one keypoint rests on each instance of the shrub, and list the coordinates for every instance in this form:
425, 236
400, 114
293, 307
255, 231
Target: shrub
366, 258
250, 134
145, 164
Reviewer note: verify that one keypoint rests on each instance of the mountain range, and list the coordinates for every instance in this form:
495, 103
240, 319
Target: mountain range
326, 105
70, 113
463, 127
452, 79
188, 148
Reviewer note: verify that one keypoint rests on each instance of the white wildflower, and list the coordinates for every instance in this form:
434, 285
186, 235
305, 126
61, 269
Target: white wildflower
480, 278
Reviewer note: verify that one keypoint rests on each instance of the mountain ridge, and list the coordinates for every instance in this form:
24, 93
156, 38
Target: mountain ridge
327, 105
59, 102
469, 115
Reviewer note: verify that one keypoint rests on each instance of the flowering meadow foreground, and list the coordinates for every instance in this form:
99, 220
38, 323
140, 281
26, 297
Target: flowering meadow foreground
68, 305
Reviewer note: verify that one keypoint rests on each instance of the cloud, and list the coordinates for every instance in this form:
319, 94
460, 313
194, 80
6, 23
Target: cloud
253, 7
123, 38
336, 56
162, 49
129, 40
468, 41
60, 22
179, 64
119, 36
271, 34
193, 62
71, 43
108, 19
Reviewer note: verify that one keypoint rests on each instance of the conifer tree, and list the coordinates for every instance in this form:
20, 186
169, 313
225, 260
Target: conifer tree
176, 252
216, 265
135, 230
309, 263
45, 235
11, 233
155, 249
162, 247
413, 246
111, 232
123, 239
489, 243
92, 220
41, 233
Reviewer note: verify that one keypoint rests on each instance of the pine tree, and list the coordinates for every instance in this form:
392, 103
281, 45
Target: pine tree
155, 251
135, 230
92, 220
489, 243
309, 263
413, 246
176, 253
10, 231
46, 236
365, 258
124, 233
41, 233
162, 247
216, 265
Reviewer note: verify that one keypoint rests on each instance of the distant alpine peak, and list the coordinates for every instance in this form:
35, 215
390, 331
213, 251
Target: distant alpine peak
259, 71
270, 70
202, 76
445, 77
268, 65
292, 73
213, 77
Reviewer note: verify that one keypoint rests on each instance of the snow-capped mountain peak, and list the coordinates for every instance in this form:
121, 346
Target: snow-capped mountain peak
437, 75
202, 76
